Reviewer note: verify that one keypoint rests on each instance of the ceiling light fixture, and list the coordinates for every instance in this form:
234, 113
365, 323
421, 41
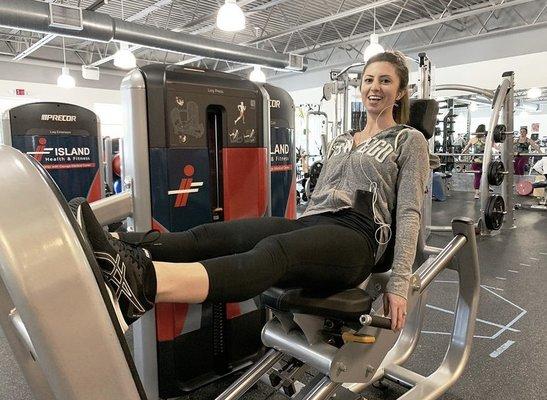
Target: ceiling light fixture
374, 47
257, 75
124, 58
64, 80
230, 17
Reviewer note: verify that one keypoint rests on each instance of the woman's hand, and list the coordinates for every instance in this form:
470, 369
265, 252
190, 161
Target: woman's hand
395, 308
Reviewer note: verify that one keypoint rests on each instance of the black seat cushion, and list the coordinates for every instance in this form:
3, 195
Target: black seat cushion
347, 305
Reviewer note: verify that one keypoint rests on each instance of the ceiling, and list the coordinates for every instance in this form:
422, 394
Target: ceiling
318, 29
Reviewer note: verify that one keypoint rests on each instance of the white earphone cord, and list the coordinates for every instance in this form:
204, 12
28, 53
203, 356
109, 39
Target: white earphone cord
373, 188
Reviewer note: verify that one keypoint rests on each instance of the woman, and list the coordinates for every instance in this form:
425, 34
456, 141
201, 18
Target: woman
522, 145
334, 244
477, 143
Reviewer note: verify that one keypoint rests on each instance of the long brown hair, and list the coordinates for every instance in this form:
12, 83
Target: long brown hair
397, 59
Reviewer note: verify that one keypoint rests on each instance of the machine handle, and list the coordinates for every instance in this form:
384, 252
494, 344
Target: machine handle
375, 321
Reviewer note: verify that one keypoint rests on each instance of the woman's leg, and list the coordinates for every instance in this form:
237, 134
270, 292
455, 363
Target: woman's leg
175, 278
477, 178
328, 257
519, 164
210, 240
130, 273
320, 256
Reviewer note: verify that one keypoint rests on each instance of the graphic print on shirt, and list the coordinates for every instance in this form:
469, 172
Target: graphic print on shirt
377, 148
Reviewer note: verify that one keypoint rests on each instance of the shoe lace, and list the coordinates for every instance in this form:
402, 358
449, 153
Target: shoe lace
134, 250
132, 253
148, 237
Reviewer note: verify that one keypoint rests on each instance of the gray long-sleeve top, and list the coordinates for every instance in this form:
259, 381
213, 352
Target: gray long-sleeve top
396, 162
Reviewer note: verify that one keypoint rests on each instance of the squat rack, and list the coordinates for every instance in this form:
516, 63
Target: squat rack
502, 101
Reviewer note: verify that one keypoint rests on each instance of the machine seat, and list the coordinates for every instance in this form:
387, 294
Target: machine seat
348, 305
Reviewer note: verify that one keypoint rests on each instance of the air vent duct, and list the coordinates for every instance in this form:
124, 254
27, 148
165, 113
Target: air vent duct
67, 17
296, 62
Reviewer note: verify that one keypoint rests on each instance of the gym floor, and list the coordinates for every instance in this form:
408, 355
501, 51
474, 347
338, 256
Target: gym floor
508, 355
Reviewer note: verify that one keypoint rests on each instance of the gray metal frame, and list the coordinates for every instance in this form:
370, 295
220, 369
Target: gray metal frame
136, 179
297, 335
503, 100
507, 154
107, 151
500, 100
320, 113
5, 131
424, 92
266, 128
51, 307
341, 83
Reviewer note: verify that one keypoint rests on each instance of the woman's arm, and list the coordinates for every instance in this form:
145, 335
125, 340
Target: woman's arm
469, 144
534, 145
412, 181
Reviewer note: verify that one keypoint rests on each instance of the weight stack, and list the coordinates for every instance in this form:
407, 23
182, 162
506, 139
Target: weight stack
208, 163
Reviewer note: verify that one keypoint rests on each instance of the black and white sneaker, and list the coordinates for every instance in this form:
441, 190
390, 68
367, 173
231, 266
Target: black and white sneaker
127, 269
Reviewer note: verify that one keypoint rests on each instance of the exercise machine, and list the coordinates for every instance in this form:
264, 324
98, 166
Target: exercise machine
340, 335
54, 307
496, 211
199, 150
65, 139
94, 361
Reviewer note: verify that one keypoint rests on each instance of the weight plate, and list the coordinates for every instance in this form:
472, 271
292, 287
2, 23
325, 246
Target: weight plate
525, 188
494, 212
496, 173
500, 133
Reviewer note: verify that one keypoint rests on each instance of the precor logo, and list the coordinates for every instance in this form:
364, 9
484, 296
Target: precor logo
58, 117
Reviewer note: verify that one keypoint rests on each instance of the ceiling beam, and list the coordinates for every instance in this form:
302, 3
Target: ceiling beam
415, 49
33, 16
323, 20
303, 26
478, 9
437, 19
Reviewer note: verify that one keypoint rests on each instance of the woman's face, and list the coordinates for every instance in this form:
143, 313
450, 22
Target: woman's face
523, 132
380, 87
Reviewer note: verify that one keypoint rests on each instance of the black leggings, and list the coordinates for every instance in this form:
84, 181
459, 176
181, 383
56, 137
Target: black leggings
245, 257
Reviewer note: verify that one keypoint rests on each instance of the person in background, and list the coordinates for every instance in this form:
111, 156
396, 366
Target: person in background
459, 142
522, 145
476, 144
